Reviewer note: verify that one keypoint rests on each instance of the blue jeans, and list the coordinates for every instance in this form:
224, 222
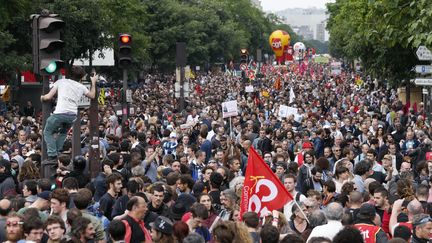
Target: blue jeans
60, 124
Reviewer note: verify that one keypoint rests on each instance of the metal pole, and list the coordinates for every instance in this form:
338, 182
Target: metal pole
94, 125
429, 103
94, 137
125, 105
181, 63
46, 110
182, 78
76, 136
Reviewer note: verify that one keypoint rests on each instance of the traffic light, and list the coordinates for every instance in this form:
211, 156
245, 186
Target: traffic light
244, 56
47, 44
125, 50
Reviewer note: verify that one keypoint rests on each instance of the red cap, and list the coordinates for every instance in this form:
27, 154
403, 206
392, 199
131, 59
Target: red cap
307, 145
429, 156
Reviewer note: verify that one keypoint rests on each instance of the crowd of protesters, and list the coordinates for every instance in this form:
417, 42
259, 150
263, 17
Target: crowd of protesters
357, 162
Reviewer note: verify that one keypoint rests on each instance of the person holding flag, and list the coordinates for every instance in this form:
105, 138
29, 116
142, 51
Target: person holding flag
262, 190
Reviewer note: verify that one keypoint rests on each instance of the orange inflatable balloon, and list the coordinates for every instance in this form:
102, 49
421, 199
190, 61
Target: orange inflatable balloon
279, 41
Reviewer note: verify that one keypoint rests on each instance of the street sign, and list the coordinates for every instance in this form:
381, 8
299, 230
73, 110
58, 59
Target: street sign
243, 67
187, 72
424, 54
177, 88
84, 102
423, 69
423, 81
129, 96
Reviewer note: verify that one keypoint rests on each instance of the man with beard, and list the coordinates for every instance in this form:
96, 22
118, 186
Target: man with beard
82, 200
228, 199
157, 205
383, 207
305, 171
14, 228
82, 230
314, 182
107, 201
7, 183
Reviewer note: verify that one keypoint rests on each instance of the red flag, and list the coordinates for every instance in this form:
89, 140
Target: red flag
262, 191
278, 84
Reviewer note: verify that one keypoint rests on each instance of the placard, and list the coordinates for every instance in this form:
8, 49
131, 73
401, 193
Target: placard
249, 89
286, 111
84, 102
229, 109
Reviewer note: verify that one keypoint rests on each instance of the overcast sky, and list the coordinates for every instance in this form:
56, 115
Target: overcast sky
275, 5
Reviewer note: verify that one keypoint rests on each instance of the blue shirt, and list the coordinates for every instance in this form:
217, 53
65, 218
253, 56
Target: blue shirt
204, 232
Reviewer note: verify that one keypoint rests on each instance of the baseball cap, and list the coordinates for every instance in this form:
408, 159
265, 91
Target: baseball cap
422, 220
44, 195
163, 224
367, 210
307, 145
177, 211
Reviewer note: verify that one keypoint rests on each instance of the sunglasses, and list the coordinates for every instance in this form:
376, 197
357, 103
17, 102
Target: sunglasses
424, 221
14, 223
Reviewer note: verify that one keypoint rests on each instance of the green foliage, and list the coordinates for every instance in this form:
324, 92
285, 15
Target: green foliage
384, 34
214, 30
11, 58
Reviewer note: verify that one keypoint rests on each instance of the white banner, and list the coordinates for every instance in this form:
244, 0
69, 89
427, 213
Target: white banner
229, 109
286, 111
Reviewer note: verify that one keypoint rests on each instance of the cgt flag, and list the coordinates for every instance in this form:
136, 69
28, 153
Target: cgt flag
262, 192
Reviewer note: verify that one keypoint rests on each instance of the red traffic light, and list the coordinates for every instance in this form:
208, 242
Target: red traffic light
125, 39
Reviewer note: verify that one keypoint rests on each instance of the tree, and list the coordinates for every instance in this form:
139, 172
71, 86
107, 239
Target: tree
13, 56
382, 34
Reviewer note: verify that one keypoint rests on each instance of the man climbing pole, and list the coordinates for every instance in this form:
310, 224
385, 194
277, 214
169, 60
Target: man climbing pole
69, 92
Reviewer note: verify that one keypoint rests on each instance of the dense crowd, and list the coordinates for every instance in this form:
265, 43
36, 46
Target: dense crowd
357, 162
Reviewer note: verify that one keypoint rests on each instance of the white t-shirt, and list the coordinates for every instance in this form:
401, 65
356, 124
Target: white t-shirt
69, 92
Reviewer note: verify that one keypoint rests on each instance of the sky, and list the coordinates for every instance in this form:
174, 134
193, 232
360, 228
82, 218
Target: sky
276, 5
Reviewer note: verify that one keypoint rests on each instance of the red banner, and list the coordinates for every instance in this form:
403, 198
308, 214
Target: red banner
263, 191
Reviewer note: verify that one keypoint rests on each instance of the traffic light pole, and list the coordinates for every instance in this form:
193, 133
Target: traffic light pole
182, 98
94, 152
125, 104
181, 63
46, 109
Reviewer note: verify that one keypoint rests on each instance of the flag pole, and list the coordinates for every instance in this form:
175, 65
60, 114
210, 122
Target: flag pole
231, 134
301, 210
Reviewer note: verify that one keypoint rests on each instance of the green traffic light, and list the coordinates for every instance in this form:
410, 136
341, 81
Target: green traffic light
52, 67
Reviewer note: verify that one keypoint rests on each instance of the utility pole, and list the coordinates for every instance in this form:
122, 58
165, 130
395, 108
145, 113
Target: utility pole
125, 60
94, 151
76, 136
125, 104
46, 110
181, 63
